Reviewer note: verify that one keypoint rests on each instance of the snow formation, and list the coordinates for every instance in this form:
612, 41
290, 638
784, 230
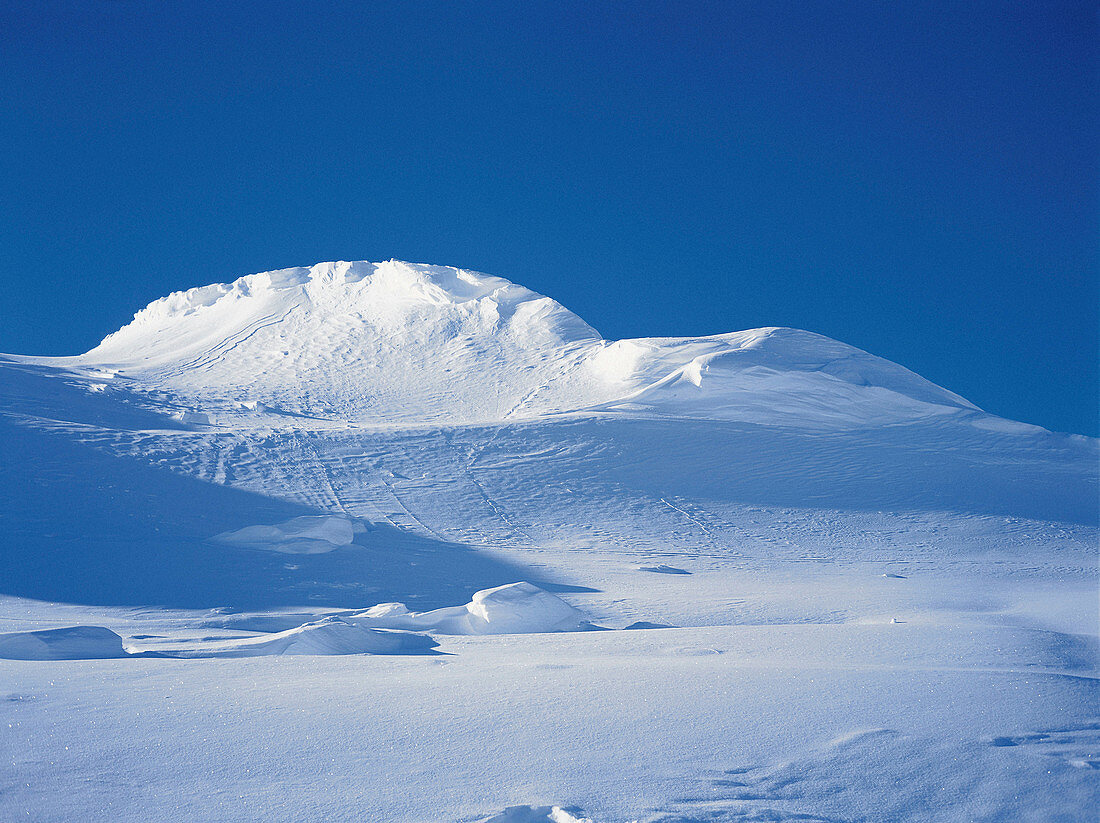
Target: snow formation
515, 608
299, 535
403, 343
72, 643
233, 536
330, 635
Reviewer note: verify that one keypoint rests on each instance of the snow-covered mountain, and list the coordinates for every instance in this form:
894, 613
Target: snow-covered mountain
364, 542
403, 343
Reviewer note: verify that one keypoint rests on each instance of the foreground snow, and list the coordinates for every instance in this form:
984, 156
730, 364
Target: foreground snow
238, 537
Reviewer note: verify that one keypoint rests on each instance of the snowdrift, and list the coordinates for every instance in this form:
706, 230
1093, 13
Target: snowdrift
517, 608
536, 814
73, 643
324, 637
300, 535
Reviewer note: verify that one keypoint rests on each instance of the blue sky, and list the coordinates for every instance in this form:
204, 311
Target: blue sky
917, 179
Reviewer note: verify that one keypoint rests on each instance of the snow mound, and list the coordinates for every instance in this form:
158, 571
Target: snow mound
769, 375
663, 568
190, 417
300, 535
73, 643
324, 637
515, 608
402, 343
537, 814
385, 342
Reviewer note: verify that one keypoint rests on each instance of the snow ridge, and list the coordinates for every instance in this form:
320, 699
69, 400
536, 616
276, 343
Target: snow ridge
400, 343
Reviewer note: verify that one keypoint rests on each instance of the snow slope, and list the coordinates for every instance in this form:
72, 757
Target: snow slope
240, 527
402, 343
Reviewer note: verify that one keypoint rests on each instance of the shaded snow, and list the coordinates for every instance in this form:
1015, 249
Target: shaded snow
535, 814
73, 643
300, 535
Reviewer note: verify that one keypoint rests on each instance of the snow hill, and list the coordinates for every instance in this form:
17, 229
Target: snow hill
409, 543
399, 343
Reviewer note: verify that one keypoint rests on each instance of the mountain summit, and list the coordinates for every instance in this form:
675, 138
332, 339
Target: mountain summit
401, 343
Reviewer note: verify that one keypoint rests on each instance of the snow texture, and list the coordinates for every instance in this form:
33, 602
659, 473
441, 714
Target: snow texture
73, 643
299, 535
328, 636
401, 343
234, 534
516, 608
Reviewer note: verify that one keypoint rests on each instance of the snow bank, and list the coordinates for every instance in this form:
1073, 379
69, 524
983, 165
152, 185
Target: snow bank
516, 608
324, 637
191, 417
300, 535
992, 423
73, 643
663, 568
537, 814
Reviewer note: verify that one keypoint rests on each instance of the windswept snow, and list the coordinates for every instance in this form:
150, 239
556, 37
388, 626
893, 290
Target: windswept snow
535, 814
324, 637
517, 608
299, 535
377, 343
875, 602
196, 418
73, 643
514, 608
663, 568
406, 343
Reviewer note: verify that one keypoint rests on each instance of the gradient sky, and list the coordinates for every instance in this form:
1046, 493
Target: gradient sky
916, 179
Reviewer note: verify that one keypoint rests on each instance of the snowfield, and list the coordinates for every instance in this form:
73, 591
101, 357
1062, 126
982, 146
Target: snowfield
361, 542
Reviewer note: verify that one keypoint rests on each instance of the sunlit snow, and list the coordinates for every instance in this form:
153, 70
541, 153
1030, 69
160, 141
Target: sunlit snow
359, 542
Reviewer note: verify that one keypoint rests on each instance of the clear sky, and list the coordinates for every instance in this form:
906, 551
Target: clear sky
916, 179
